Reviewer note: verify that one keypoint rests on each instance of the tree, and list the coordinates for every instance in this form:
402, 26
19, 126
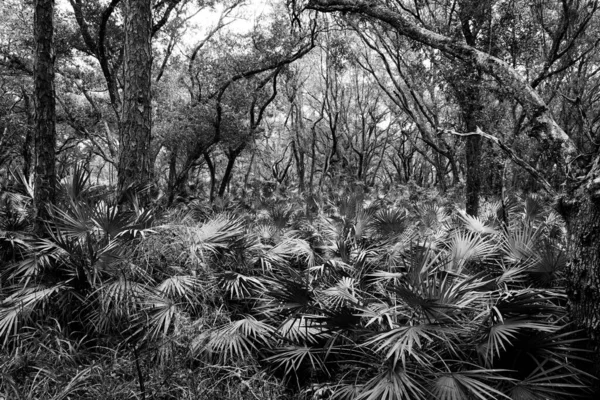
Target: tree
580, 203
135, 164
45, 105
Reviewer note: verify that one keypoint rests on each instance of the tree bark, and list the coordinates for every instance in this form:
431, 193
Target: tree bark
45, 106
135, 167
468, 97
172, 175
583, 269
27, 153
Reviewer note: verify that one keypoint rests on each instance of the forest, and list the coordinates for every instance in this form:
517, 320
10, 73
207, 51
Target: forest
299, 199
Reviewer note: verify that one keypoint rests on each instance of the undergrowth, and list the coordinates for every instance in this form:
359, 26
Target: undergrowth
354, 296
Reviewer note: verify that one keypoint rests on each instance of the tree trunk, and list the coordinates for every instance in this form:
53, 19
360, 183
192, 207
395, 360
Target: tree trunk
300, 168
45, 106
583, 269
213, 175
172, 175
231, 157
27, 153
134, 160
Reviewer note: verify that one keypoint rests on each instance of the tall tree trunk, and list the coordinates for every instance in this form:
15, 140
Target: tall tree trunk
27, 153
213, 175
583, 270
300, 168
135, 158
45, 106
231, 157
172, 175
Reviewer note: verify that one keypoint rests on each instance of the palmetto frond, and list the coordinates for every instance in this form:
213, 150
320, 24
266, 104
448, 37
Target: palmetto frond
301, 330
210, 238
75, 222
285, 251
392, 384
76, 187
280, 215
503, 334
533, 208
344, 291
21, 305
432, 218
158, 316
465, 385
239, 286
292, 359
547, 268
469, 246
389, 222
238, 338
180, 287
408, 341
518, 242
475, 224
550, 383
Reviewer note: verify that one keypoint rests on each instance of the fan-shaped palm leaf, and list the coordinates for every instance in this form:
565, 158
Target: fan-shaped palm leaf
302, 330
180, 287
518, 243
240, 286
475, 224
408, 341
236, 339
160, 313
550, 383
392, 384
21, 304
501, 335
465, 385
389, 222
469, 246
292, 358
344, 291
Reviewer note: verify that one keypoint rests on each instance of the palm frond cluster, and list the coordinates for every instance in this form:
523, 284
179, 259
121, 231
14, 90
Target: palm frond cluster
354, 300
390, 303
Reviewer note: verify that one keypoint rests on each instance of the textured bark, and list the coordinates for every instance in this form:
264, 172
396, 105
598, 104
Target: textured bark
172, 175
583, 271
45, 106
134, 157
27, 152
473, 182
232, 156
469, 99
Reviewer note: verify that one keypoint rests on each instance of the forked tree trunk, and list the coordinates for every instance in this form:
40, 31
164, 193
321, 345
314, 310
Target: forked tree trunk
135, 158
45, 106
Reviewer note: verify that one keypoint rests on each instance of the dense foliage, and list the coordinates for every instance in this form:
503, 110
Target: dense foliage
343, 199
356, 296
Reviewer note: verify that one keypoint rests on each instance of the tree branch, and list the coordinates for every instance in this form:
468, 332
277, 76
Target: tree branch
511, 154
545, 127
